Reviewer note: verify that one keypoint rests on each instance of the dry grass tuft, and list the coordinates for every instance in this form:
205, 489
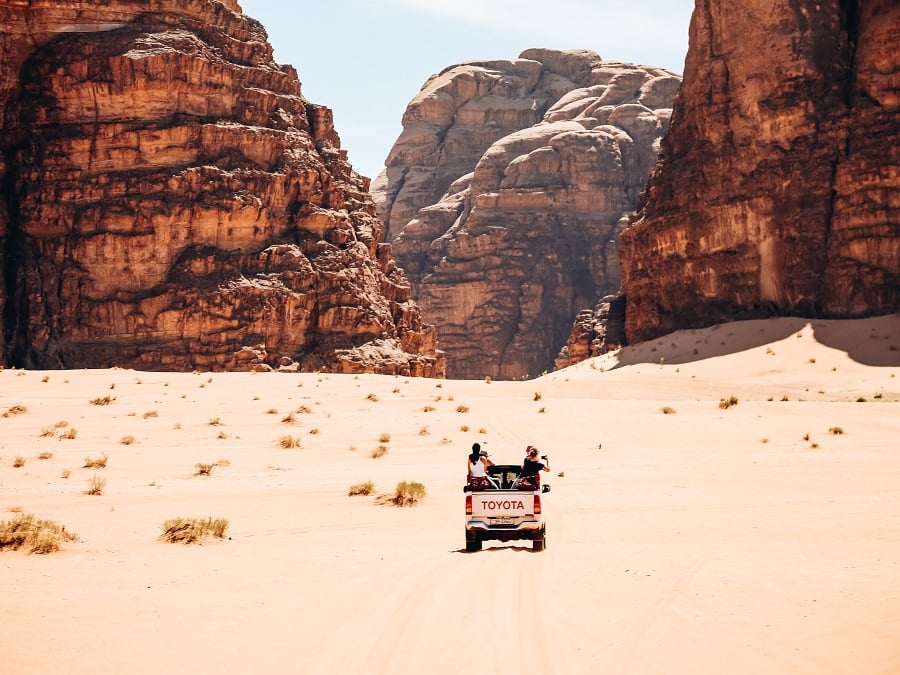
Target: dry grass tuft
380, 451
725, 403
384, 438
423, 431
372, 397
65, 473
304, 410
15, 410
538, 396
69, 435
48, 431
45, 455
99, 463
151, 413
39, 536
837, 431
361, 489
288, 419
204, 469
666, 410
487, 379
62, 424
464, 428
428, 408
96, 485
102, 400
19, 462
215, 421
272, 411
462, 408
192, 530
127, 440
289, 442
406, 494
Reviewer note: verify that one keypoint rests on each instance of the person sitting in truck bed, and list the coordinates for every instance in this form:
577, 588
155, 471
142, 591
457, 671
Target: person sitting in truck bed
530, 476
478, 464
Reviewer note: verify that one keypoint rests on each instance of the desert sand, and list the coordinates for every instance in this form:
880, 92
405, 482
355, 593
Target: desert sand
753, 538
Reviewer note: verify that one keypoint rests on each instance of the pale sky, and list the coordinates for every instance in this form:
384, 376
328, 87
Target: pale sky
365, 59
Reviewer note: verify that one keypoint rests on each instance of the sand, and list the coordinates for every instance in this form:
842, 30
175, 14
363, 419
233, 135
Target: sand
749, 539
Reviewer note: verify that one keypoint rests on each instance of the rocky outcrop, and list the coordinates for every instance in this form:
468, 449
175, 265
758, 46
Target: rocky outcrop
779, 188
170, 200
506, 192
595, 331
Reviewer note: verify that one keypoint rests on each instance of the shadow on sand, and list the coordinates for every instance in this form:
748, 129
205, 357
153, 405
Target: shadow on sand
872, 341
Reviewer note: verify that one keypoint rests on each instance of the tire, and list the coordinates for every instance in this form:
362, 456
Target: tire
539, 543
473, 542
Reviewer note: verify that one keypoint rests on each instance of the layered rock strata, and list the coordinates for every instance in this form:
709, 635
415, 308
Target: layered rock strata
779, 188
506, 192
170, 200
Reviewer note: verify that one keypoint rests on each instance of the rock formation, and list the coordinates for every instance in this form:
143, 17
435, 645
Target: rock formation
505, 194
170, 200
779, 187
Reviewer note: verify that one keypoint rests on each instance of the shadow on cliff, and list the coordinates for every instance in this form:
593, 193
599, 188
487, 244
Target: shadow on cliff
873, 341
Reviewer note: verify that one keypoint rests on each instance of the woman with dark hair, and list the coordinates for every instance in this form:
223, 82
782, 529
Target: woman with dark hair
477, 465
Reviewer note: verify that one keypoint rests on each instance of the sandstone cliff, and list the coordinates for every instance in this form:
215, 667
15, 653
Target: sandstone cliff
505, 194
170, 200
779, 188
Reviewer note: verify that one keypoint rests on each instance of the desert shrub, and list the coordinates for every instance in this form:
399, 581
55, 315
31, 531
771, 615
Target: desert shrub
288, 419
102, 400
542, 409
99, 463
428, 408
48, 431
127, 440
837, 431
384, 438
45, 455
65, 473
15, 410
288, 442
408, 494
151, 413
725, 403
666, 410
192, 530
19, 461
62, 424
372, 397
70, 434
878, 395
487, 379
361, 489
537, 396
482, 430
314, 431
464, 428
96, 485
462, 408
215, 421
380, 451
860, 400
39, 536
304, 410
423, 431
204, 469
272, 411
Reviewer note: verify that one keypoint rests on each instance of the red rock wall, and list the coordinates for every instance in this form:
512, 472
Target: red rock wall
779, 188
170, 200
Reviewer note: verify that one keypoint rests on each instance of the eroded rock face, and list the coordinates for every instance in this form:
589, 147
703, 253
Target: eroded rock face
171, 201
506, 192
779, 189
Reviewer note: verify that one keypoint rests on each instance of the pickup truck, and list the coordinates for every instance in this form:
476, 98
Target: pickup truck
505, 512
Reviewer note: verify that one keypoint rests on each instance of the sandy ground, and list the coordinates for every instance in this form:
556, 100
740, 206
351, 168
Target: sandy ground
742, 540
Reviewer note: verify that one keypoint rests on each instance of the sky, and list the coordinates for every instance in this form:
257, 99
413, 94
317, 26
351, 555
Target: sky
365, 59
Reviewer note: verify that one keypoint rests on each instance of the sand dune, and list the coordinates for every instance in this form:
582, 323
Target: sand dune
747, 539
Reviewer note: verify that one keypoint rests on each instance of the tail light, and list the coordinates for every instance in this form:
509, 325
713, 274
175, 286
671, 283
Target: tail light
537, 504
468, 505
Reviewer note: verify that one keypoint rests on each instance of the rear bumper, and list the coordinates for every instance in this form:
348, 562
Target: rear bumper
485, 531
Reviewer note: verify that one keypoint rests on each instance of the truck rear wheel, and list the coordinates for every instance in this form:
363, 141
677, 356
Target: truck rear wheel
539, 543
473, 542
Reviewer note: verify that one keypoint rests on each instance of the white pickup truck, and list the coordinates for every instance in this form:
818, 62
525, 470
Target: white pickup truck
504, 512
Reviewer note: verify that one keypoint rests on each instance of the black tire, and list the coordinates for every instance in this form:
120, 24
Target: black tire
539, 543
473, 542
